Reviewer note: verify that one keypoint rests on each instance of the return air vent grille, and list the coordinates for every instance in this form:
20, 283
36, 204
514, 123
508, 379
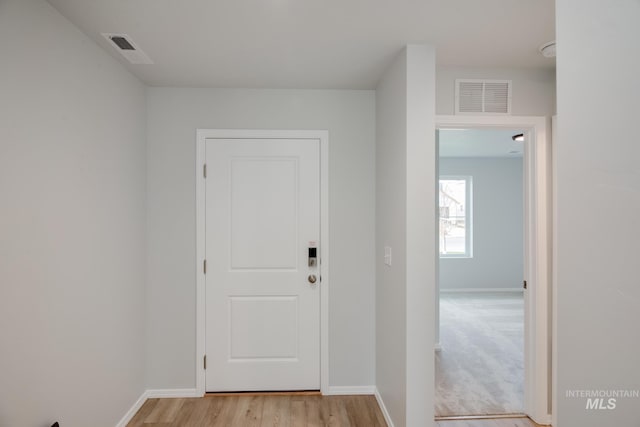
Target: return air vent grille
127, 48
122, 43
483, 96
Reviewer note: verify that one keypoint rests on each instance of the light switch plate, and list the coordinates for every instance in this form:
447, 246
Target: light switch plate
387, 255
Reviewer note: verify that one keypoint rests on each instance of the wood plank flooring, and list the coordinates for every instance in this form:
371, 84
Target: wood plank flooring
279, 410
261, 411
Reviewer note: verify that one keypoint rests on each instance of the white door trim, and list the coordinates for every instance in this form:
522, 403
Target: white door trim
537, 178
554, 278
201, 136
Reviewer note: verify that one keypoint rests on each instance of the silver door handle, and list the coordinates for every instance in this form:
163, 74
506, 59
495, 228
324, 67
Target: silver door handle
312, 278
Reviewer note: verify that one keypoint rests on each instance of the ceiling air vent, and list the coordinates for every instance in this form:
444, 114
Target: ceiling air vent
483, 96
123, 44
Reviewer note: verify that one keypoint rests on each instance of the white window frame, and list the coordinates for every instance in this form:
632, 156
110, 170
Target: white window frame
468, 237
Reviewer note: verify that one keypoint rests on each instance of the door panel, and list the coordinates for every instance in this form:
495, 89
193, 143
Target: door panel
262, 313
263, 327
268, 240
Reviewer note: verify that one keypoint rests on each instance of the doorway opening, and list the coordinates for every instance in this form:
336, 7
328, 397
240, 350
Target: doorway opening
480, 365
498, 326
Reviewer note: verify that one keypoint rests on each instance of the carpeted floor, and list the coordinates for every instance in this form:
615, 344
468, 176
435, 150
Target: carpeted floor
480, 369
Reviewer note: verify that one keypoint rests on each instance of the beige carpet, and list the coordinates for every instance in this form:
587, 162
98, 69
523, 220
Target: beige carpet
480, 369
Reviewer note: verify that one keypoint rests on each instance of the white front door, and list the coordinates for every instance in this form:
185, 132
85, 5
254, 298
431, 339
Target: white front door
262, 218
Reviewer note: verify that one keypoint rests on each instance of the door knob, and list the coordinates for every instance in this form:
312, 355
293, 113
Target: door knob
312, 278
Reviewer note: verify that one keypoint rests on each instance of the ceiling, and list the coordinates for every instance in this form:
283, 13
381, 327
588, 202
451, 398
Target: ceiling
480, 143
311, 44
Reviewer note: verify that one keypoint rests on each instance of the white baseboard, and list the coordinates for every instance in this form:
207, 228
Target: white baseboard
544, 420
156, 393
134, 409
344, 390
172, 392
383, 408
453, 290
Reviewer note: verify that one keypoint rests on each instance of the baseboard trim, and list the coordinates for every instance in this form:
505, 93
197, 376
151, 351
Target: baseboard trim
383, 408
480, 417
133, 410
172, 392
480, 290
152, 394
543, 421
345, 390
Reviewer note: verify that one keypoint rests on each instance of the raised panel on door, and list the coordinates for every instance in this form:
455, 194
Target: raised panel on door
264, 213
262, 314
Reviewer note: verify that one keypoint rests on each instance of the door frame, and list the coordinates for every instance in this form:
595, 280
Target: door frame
323, 265
537, 251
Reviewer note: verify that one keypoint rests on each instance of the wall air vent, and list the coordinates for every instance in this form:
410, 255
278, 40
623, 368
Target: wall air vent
491, 97
127, 48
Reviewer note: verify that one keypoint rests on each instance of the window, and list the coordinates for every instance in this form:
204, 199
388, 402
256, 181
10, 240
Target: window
455, 216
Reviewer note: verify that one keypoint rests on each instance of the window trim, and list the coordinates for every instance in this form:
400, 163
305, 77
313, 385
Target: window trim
468, 238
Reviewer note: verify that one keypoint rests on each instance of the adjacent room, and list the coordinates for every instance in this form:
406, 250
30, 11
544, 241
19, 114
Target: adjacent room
480, 358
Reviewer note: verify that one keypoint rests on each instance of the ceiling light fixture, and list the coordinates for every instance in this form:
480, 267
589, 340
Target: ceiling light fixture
548, 50
519, 137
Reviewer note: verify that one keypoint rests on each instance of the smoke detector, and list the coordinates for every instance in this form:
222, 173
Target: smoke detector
127, 48
548, 50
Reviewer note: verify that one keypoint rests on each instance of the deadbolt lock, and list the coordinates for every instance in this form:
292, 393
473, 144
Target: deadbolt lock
313, 257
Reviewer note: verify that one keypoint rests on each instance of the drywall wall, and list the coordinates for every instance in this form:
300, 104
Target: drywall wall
421, 232
391, 226
597, 202
533, 91
72, 225
497, 225
174, 116
405, 223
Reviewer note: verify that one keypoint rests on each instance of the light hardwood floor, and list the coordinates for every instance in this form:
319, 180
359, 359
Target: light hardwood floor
282, 410
261, 411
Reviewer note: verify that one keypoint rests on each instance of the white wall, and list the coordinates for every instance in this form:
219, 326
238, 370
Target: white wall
497, 225
174, 116
391, 226
72, 225
405, 222
598, 201
421, 232
533, 91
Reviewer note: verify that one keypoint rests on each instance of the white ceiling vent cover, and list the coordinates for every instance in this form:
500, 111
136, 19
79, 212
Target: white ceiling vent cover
483, 96
123, 44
